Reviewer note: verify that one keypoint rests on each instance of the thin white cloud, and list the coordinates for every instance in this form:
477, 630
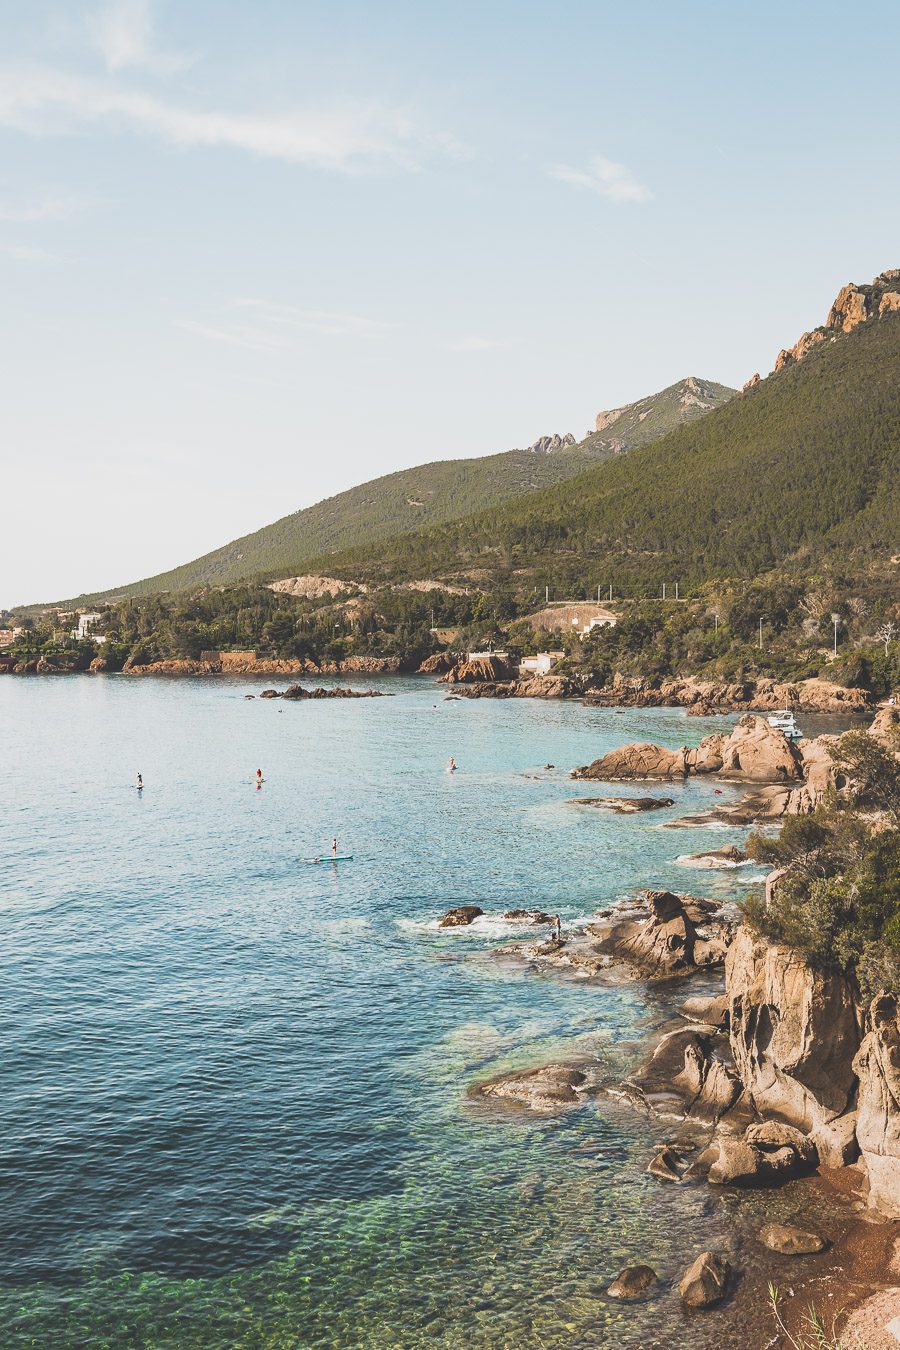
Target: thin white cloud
26, 254
43, 100
607, 178
275, 327
474, 344
122, 32
37, 211
234, 335
322, 321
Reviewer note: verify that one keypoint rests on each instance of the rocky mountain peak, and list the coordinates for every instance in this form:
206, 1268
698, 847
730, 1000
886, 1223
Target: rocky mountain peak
854, 304
545, 445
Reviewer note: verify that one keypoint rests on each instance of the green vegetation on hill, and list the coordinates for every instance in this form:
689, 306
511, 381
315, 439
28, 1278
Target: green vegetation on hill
800, 472
427, 495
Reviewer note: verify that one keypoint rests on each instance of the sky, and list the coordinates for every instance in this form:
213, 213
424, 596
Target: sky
253, 252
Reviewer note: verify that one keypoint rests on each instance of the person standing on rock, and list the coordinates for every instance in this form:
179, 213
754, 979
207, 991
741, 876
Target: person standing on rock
557, 927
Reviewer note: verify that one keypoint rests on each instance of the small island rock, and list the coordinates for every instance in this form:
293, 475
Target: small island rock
460, 916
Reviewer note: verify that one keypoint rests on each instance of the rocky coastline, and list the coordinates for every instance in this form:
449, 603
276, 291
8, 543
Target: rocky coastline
488, 678
774, 1075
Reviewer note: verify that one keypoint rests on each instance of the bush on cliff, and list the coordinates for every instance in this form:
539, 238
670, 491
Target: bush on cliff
839, 900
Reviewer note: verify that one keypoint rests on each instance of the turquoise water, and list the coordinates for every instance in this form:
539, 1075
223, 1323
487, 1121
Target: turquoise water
234, 1087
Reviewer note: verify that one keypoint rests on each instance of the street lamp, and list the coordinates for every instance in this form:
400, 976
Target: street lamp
835, 619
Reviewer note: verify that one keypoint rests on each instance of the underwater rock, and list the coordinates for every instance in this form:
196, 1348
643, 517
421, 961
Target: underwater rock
789, 1241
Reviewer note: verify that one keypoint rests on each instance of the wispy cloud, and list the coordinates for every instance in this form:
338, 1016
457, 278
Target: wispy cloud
39, 210
275, 327
474, 344
234, 335
312, 320
24, 253
43, 100
123, 33
607, 178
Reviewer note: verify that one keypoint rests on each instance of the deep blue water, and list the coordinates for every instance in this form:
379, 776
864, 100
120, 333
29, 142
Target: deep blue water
233, 1106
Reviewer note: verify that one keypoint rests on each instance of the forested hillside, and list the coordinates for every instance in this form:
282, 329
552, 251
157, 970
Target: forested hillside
801, 470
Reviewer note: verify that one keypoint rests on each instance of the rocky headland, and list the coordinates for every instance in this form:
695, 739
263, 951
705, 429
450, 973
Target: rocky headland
777, 1072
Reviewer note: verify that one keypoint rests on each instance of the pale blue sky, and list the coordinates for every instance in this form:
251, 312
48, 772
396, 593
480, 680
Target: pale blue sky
255, 251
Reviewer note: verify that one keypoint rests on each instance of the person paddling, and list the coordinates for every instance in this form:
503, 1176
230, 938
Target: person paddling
451, 765
259, 778
140, 783
334, 848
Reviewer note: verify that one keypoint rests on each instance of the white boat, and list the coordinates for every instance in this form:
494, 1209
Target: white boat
786, 722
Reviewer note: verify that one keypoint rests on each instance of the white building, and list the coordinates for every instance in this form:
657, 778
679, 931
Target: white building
541, 664
85, 623
601, 620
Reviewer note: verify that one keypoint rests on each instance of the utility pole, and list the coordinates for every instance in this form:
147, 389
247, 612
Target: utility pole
835, 619
610, 592
716, 617
664, 590
676, 590
546, 595
760, 632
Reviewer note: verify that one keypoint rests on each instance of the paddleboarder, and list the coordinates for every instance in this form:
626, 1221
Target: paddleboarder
140, 783
334, 848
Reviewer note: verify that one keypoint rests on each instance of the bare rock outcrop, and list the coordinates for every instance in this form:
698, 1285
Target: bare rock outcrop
687, 1076
753, 752
852, 306
546, 1090
636, 761
483, 669
794, 1032
878, 1123
664, 944
461, 916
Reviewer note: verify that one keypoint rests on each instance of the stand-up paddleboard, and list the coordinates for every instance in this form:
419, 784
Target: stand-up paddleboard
341, 857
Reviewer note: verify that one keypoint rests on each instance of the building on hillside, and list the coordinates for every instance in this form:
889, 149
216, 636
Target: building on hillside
542, 664
581, 615
601, 620
8, 636
85, 626
487, 656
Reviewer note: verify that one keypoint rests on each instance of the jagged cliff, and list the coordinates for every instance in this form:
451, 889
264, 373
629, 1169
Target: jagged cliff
852, 306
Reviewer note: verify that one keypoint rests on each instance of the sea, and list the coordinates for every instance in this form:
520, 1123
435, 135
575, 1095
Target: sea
235, 1106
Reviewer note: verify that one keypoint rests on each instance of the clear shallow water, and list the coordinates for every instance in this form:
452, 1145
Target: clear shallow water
234, 1086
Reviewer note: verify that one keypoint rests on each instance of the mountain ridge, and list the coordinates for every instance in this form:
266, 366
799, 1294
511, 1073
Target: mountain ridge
424, 495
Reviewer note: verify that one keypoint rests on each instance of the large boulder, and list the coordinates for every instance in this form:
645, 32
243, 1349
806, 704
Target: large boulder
768, 1155
878, 1123
758, 753
794, 1032
664, 944
640, 760
471, 672
705, 1282
686, 1076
